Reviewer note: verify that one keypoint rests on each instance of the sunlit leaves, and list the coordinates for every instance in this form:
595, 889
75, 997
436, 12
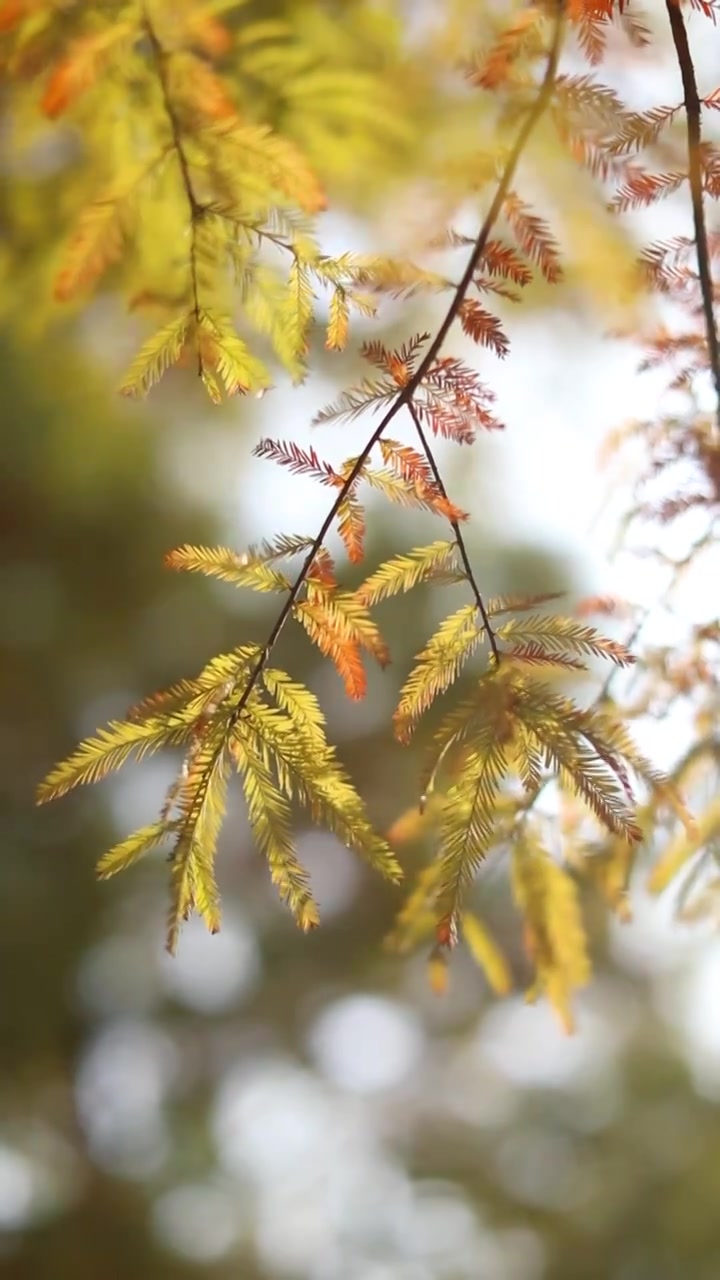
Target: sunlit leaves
199, 95
205, 692
592, 21
279, 748
299, 705
219, 562
437, 666
270, 818
338, 321
518, 603
582, 101
293, 740
408, 481
552, 637
403, 572
468, 826
397, 277
83, 63
509, 725
578, 744
228, 176
225, 361
157, 355
503, 260
534, 237
455, 402
351, 527
341, 627
401, 363
299, 303
415, 922
201, 800
520, 40
685, 846
128, 851
642, 188
97, 243
112, 747
483, 327
555, 936
421, 486
346, 480
486, 953
299, 461
368, 394
257, 148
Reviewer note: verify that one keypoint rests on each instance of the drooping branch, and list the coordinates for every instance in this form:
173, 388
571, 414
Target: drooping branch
694, 136
407, 392
462, 548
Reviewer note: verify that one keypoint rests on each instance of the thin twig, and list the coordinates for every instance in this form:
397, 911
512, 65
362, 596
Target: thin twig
462, 548
693, 113
195, 208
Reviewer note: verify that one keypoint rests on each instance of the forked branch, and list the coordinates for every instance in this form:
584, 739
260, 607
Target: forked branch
462, 549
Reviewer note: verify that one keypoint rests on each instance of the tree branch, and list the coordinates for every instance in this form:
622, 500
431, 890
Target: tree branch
693, 111
195, 208
458, 535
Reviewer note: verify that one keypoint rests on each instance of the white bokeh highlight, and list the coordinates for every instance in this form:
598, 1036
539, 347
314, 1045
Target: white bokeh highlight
367, 1043
212, 973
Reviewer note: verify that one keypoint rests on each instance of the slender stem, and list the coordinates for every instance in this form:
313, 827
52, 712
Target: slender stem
269, 235
195, 208
462, 548
407, 392
693, 111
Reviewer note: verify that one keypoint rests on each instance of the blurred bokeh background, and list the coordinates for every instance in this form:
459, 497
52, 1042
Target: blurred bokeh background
268, 1105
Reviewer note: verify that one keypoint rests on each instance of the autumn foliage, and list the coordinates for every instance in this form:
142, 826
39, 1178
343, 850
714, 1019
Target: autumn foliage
206, 220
